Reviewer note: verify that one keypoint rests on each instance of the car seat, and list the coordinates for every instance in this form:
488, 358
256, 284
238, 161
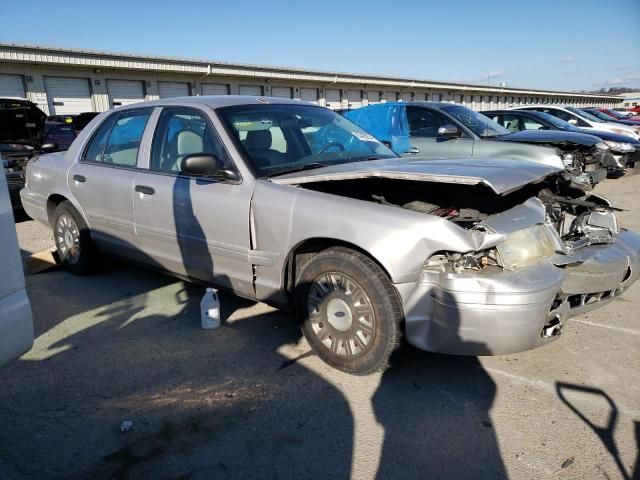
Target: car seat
188, 143
258, 144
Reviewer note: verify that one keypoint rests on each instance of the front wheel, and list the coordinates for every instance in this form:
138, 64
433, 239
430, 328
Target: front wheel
351, 314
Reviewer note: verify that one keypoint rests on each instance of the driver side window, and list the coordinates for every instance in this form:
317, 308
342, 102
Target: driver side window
183, 131
423, 122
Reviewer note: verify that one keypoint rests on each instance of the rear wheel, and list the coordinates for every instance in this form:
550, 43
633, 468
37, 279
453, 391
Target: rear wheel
73, 239
351, 314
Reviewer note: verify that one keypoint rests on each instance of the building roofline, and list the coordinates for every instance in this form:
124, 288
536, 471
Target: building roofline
26, 53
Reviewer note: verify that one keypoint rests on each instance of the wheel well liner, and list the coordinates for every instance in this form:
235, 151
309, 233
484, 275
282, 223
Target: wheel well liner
52, 202
314, 245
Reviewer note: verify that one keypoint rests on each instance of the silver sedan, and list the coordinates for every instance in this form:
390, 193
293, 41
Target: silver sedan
293, 205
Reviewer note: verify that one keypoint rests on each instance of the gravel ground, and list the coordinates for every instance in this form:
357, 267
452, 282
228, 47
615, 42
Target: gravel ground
249, 401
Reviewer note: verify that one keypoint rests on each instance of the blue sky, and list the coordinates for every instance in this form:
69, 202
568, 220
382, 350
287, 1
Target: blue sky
559, 44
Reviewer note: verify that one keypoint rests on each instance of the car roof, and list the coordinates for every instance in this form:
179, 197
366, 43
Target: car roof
215, 101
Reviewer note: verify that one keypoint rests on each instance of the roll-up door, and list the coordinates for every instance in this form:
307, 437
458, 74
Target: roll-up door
333, 98
173, 89
391, 96
406, 96
282, 92
67, 96
11, 86
124, 92
419, 97
374, 96
309, 95
214, 89
355, 98
252, 90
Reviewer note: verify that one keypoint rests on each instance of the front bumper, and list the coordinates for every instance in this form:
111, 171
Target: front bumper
501, 312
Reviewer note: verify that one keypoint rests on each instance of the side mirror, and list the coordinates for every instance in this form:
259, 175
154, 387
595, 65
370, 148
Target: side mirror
573, 121
206, 165
448, 131
49, 147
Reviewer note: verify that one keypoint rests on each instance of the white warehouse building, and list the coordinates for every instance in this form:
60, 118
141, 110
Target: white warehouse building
70, 81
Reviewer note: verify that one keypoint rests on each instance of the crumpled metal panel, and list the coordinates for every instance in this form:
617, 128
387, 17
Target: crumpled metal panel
501, 175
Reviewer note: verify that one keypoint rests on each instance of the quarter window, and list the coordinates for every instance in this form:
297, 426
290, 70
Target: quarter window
181, 132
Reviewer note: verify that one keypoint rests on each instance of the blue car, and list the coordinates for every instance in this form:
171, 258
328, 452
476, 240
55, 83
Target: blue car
447, 130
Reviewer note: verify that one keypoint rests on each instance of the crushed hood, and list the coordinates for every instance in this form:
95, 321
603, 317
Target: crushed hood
553, 137
22, 122
500, 175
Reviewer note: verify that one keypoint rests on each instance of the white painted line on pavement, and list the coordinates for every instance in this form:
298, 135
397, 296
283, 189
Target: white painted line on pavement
550, 388
610, 327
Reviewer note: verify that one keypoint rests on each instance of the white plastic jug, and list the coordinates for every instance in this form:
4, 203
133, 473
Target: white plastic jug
210, 309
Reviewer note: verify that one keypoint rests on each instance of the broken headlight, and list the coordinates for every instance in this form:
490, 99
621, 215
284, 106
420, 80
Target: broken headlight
527, 247
620, 146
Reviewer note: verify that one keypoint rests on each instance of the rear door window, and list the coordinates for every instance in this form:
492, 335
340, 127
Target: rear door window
117, 141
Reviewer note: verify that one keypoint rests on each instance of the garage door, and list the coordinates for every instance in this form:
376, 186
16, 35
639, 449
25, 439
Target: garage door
355, 98
406, 96
374, 96
124, 92
173, 89
67, 96
252, 90
333, 98
282, 92
214, 89
11, 86
309, 95
391, 96
419, 97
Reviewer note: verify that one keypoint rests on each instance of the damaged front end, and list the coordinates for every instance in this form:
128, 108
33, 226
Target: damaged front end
564, 254
546, 251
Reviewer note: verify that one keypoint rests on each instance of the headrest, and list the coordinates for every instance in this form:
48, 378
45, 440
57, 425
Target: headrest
189, 142
258, 140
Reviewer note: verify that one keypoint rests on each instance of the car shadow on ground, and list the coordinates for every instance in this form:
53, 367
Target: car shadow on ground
222, 403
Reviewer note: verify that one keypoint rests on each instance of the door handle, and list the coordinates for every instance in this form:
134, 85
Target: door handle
79, 178
144, 189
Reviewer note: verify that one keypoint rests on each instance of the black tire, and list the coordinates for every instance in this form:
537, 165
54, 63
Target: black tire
73, 240
356, 325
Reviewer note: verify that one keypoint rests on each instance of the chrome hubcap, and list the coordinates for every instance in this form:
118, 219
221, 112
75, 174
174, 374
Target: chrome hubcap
341, 314
68, 238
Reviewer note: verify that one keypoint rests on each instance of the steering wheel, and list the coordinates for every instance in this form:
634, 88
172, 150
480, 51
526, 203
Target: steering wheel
332, 144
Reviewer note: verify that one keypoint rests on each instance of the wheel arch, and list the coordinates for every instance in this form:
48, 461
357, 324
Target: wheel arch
305, 249
55, 199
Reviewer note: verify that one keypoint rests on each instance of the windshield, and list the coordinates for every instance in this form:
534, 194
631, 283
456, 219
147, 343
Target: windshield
584, 114
476, 122
600, 115
556, 122
278, 139
616, 114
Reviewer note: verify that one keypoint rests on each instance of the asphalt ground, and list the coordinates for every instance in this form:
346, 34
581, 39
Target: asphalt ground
248, 400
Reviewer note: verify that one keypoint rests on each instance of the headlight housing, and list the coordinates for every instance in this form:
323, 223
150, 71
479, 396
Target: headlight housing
527, 247
602, 146
567, 159
620, 146
624, 132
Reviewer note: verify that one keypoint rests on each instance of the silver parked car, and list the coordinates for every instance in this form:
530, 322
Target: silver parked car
294, 205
